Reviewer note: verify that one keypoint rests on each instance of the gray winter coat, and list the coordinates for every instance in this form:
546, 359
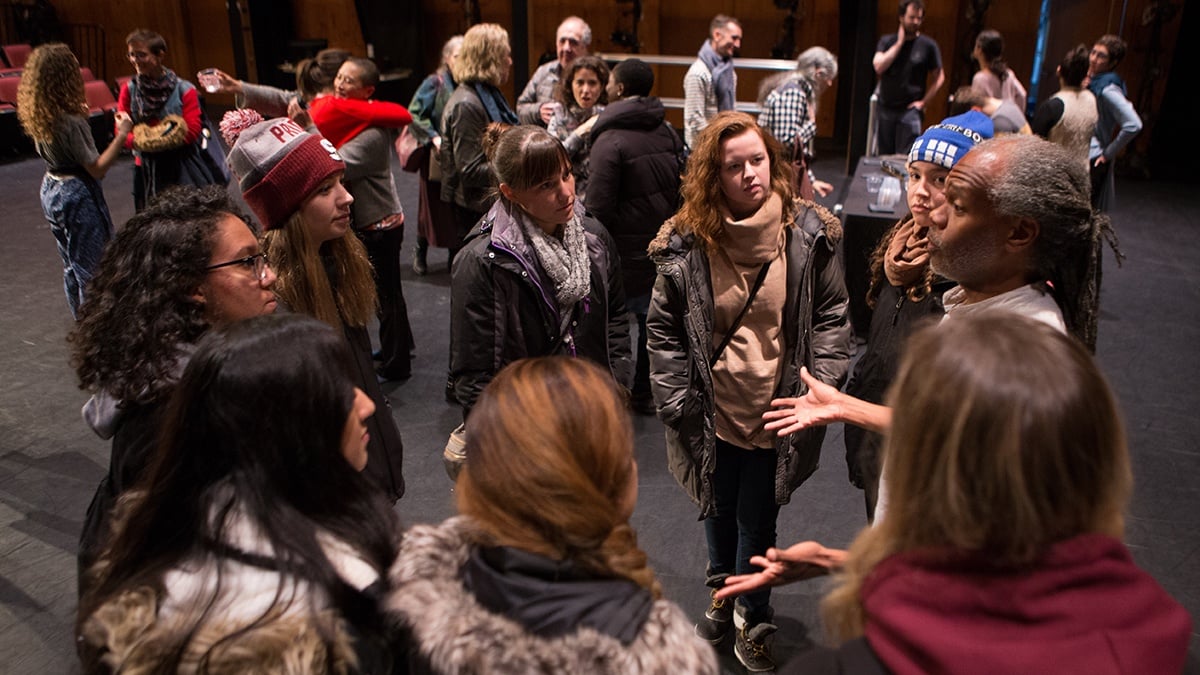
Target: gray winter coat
451, 632
680, 339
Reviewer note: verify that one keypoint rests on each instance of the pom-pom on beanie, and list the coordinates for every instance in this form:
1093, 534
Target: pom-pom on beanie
277, 163
946, 143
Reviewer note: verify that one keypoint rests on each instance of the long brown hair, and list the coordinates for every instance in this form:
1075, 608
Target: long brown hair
1005, 440
702, 196
50, 88
550, 464
304, 285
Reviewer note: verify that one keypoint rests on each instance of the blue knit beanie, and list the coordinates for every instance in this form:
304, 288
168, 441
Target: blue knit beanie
946, 143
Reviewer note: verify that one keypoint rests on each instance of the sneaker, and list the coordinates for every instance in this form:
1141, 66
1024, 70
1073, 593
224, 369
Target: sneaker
750, 644
717, 619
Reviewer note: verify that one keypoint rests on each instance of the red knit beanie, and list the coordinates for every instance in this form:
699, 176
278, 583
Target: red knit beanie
278, 165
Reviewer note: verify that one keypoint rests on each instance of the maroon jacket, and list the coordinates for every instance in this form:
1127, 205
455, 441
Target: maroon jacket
1085, 608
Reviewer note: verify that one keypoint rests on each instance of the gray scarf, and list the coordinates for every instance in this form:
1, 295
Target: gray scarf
565, 262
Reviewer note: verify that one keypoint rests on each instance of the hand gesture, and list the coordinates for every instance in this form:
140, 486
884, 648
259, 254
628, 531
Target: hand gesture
801, 561
821, 187
124, 122
298, 114
586, 128
547, 111
820, 406
901, 36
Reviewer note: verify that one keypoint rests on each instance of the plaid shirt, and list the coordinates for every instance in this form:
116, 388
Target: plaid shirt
699, 101
785, 113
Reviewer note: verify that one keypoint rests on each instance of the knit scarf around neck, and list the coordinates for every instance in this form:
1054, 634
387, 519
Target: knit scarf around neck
722, 75
494, 102
755, 239
565, 261
746, 375
151, 94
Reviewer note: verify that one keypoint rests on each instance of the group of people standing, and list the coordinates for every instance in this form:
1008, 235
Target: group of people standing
246, 524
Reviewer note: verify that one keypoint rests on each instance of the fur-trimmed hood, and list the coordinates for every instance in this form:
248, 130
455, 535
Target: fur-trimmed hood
830, 223
135, 640
452, 633
218, 597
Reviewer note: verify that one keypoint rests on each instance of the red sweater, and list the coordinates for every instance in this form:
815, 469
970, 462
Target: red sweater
341, 119
1084, 608
190, 102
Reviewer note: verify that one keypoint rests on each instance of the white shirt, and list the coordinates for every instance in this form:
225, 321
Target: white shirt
1029, 301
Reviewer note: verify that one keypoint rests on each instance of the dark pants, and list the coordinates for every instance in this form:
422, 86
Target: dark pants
898, 128
638, 307
744, 525
79, 220
464, 220
395, 333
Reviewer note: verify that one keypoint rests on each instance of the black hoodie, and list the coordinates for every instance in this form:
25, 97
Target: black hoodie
634, 166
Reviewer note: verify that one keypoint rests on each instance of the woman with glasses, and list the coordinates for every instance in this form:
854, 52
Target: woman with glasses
292, 180
255, 545
188, 263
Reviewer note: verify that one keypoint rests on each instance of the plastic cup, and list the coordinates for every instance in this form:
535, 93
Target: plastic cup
888, 194
210, 80
873, 183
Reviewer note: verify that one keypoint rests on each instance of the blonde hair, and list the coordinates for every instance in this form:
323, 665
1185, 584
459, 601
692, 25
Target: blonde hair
482, 55
1005, 440
50, 89
550, 464
702, 195
303, 283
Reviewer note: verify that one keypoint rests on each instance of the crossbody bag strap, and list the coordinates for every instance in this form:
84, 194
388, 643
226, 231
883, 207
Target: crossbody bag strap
737, 321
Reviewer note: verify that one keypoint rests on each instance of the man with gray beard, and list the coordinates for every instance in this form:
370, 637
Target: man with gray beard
1015, 229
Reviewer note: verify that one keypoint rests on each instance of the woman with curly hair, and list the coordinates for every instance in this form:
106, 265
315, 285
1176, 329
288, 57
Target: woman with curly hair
581, 95
292, 180
541, 571
255, 544
187, 264
52, 109
749, 292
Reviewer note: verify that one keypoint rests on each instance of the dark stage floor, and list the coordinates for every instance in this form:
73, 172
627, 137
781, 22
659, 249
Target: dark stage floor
50, 462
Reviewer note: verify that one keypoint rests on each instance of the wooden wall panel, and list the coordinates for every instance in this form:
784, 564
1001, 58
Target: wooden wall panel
332, 20
197, 34
120, 17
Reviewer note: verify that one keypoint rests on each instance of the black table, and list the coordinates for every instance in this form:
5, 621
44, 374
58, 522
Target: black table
863, 230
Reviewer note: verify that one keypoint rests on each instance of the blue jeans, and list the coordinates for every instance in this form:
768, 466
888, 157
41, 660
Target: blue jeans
78, 215
744, 524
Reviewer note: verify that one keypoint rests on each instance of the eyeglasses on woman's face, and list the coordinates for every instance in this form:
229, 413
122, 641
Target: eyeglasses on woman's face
258, 263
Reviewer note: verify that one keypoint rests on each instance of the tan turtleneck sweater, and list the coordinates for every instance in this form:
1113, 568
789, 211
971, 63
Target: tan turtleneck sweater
746, 375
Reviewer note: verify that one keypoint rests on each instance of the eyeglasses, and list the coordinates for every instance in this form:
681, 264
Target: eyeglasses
257, 262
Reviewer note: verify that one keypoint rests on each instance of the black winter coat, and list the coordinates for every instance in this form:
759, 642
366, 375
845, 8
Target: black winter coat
633, 186
894, 318
502, 306
466, 175
679, 333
